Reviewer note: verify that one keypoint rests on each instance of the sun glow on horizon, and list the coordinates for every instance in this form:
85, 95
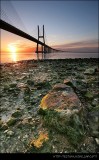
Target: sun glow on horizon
13, 50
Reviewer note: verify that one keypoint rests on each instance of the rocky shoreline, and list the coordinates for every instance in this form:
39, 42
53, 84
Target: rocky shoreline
25, 128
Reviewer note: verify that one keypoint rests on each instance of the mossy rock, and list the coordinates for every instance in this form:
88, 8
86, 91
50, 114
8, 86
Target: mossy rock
4, 126
6, 87
73, 128
89, 95
62, 110
90, 71
27, 98
27, 91
1, 123
13, 85
30, 82
17, 113
43, 84
11, 121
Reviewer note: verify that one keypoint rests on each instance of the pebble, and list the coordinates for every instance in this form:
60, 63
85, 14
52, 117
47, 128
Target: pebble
4, 127
26, 136
6, 131
97, 140
11, 121
53, 147
10, 133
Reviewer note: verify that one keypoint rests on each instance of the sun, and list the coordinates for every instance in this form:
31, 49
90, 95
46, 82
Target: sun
13, 50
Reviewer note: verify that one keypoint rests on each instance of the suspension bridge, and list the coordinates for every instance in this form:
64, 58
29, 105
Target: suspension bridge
12, 22
45, 48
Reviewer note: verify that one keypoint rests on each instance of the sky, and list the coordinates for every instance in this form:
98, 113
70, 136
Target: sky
69, 25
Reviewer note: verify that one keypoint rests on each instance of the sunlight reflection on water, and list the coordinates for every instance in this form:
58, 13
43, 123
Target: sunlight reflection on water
61, 55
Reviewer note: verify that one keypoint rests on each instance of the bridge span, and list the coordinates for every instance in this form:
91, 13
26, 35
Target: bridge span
45, 48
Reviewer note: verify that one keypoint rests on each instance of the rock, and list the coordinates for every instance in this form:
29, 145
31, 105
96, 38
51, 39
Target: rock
59, 86
88, 145
1, 123
4, 126
11, 121
26, 91
27, 99
33, 100
13, 85
89, 95
80, 85
94, 126
6, 131
30, 82
95, 133
10, 133
97, 69
97, 140
21, 78
90, 71
62, 110
17, 113
68, 82
22, 85
6, 87
61, 97
42, 84
95, 102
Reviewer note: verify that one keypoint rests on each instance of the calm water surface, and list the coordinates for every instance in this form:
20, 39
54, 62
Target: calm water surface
7, 57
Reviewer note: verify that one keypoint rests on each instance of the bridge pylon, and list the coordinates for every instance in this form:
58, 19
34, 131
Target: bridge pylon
43, 46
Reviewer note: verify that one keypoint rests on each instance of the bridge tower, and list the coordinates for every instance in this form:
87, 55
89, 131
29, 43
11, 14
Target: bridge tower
43, 46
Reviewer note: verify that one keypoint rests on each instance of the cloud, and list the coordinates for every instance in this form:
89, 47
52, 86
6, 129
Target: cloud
82, 46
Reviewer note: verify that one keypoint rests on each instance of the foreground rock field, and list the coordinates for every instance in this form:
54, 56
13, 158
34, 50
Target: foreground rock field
49, 106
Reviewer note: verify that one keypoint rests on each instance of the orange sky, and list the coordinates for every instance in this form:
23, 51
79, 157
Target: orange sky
23, 45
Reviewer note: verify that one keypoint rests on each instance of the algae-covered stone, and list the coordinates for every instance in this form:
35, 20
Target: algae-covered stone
1, 123
97, 140
62, 110
13, 85
90, 71
4, 126
11, 121
30, 82
10, 133
61, 98
17, 113
42, 84
89, 95
68, 82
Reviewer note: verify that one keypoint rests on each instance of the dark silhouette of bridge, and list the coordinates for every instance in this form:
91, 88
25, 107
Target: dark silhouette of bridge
45, 48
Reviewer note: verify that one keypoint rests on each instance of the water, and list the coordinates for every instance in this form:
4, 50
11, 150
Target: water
6, 57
